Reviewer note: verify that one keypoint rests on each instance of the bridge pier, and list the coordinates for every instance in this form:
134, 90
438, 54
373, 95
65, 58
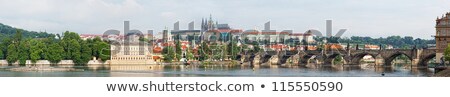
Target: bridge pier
274, 60
257, 60
415, 62
379, 61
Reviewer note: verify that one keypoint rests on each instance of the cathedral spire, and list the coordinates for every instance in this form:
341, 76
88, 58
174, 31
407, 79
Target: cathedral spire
210, 17
202, 25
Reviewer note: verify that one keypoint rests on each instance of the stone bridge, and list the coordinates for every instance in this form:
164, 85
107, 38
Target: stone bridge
418, 57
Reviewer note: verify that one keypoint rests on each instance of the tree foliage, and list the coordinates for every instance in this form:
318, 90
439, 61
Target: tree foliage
54, 54
203, 52
22, 47
103, 49
178, 51
168, 54
24, 52
74, 51
8, 31
447, 53
86, 53
13, 54
37, 49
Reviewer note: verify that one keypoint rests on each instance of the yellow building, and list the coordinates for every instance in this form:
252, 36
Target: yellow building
131, 53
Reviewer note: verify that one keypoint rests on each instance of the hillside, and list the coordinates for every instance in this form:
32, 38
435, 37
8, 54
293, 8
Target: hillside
8, 31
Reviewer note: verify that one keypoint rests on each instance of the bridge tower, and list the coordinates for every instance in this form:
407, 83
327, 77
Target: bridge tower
442, 35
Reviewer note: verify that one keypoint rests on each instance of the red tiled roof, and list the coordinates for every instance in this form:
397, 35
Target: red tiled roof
226, 30
299, 34
267, 33
157, 49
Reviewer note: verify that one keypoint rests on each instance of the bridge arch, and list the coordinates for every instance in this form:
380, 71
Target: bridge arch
305, 59
424, 60
388, 60
330, 58
293, 60
239, 56
265, 58
357, 57
284, 58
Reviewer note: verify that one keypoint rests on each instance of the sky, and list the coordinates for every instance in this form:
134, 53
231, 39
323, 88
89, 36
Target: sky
374, 18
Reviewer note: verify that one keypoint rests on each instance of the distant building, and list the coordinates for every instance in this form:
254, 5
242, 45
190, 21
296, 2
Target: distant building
193, 36
431, 46
90, 36
166, 36
442, 35
371, 47
111, 37
132, 52
389, 47
276, 37
334, 46
221, 34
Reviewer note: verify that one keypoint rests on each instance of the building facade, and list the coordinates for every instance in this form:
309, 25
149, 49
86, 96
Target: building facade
442, 35
132, 52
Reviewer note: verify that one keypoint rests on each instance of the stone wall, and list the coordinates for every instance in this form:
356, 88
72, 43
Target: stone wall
62, 63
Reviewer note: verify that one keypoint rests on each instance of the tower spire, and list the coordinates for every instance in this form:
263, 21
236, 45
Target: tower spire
202, 25
210, 17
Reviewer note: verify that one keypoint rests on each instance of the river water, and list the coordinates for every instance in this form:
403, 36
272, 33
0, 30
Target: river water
311, 70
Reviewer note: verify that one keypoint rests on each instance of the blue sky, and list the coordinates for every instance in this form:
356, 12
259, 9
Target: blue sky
375, 18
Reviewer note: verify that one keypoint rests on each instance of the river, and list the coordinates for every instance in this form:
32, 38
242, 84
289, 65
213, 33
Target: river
310, 70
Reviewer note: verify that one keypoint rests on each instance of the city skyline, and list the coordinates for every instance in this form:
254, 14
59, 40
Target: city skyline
361, 18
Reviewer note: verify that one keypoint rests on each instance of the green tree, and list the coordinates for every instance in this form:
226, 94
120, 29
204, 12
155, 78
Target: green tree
36, 50
203, 52
24, 52
13, 54
18, 35
67, 44
6, 41
338, 59
1, 53
447, 53
70, 35
54, 53
104, 53
233, 49
74, 51
86, 53
97, 39
168, 54
215, 53
178, 51
224, 52
189, 54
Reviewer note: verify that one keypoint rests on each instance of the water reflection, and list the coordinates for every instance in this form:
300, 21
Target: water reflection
308, 70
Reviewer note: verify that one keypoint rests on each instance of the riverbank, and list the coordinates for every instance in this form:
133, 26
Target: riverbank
44, 69
62, 63
443, 73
